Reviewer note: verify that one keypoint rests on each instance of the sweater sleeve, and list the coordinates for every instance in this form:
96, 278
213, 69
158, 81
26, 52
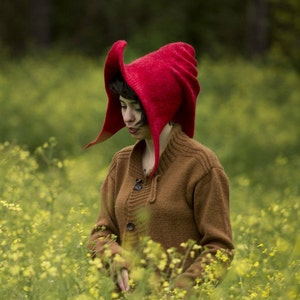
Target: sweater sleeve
212, 215
104, 237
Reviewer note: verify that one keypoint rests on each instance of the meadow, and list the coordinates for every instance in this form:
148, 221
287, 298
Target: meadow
52, 105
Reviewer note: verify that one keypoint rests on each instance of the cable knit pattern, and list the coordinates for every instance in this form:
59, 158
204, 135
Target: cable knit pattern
187, 198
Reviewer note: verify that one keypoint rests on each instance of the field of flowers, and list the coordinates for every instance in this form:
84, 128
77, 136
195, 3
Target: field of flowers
49, 188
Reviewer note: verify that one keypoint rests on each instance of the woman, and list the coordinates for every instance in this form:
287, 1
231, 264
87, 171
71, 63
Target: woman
176, 184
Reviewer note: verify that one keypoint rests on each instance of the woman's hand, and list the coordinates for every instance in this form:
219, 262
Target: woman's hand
123, 280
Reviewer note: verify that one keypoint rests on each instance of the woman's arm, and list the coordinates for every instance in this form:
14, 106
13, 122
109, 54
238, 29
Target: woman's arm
104, 238
212, 215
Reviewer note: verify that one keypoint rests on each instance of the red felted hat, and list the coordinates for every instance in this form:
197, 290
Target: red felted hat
165, 82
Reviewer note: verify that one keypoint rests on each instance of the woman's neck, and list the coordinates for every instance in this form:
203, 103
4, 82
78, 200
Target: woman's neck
149, 152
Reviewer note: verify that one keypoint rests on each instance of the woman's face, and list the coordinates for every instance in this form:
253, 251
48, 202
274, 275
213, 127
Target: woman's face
132, 114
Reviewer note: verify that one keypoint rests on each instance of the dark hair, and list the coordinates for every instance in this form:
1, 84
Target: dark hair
120, 87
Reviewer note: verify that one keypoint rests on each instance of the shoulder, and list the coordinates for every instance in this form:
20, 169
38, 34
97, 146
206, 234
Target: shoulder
121, 156
124, 153
201, 151
193, 150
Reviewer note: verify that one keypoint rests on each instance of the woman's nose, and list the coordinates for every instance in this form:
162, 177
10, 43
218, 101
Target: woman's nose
128, 115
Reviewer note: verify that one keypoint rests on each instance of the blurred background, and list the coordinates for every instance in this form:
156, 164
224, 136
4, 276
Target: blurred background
52, 103
51, 78
250, 28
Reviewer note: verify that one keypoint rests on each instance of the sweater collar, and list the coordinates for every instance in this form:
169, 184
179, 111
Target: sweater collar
166, 159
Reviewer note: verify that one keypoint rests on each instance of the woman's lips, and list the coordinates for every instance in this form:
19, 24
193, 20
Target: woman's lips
132, 130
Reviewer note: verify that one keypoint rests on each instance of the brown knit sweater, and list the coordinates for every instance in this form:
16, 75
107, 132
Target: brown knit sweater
188, 198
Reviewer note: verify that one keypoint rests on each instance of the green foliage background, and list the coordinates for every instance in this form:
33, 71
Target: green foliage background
51, 106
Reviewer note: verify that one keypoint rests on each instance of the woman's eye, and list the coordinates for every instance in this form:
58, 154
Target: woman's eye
137, 108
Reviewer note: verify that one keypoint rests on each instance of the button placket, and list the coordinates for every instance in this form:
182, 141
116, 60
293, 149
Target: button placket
137, 187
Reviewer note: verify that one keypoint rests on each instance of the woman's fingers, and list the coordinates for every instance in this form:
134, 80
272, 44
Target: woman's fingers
123, 280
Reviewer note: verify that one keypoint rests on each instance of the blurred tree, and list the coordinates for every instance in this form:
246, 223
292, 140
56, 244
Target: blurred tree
285, 30
249, 28
217, 28
14, 29
257, 36
40, 22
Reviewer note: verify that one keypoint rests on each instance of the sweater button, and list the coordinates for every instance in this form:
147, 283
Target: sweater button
138, 184
130, 226
137, 187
